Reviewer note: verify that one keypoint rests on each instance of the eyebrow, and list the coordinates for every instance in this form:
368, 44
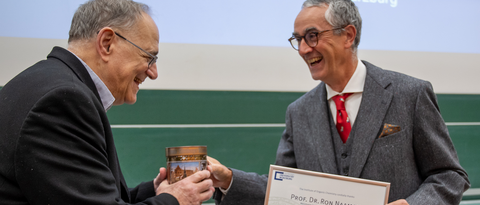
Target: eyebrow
306, 31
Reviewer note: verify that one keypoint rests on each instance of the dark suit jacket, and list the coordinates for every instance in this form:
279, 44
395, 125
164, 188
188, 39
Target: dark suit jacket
56, 144
420, 161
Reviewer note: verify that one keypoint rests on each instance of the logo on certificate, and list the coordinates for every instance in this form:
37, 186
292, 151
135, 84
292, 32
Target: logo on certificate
280, 176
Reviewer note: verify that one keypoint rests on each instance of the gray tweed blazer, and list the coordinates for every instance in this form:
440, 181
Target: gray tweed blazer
419, 161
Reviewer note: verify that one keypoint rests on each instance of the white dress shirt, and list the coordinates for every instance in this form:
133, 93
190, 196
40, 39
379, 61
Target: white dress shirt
352, 103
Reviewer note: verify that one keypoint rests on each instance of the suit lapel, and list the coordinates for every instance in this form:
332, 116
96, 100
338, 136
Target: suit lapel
376, 100
76, 66
319, 123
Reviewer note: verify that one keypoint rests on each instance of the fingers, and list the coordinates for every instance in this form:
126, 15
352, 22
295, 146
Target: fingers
205, 185
157, 181
206, 189
198, 176
216, 168
218, 171
202, 185
194, 189
162, 174
221, 175
212, 160
207, 194
188, 192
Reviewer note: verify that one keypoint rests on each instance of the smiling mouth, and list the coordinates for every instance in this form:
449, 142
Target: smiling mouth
138, 81
314, 61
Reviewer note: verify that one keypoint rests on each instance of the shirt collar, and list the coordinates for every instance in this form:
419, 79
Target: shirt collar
354, 85
103, 91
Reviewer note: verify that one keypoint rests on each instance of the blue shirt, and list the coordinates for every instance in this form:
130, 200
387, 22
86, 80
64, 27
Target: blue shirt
103, 91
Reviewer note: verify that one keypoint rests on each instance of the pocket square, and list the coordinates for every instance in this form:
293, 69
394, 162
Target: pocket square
389, 129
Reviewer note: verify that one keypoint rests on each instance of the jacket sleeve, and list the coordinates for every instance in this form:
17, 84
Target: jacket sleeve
444, 179
247, 188
61, 155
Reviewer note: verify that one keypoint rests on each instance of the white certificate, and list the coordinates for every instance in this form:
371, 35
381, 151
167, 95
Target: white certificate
289, 186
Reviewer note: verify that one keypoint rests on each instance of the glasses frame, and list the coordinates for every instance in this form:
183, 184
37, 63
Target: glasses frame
306, 42
154, 58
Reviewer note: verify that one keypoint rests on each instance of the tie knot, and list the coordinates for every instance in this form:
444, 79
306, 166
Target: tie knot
340, 100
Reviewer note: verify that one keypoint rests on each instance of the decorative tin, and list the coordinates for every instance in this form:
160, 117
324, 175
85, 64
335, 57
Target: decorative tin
184, 161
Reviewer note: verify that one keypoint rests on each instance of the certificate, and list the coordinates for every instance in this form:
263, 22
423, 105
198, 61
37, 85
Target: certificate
289, 186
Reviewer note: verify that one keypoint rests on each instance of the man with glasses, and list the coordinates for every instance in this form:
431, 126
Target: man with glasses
360, 121
56, 144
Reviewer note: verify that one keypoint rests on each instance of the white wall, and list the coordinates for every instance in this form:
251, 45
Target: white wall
257, 68
242, 45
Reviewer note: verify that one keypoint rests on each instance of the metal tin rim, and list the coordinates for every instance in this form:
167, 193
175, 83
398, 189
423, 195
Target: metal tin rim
186, 150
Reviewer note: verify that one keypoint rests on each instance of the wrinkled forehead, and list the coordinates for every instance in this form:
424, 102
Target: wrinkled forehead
311, 18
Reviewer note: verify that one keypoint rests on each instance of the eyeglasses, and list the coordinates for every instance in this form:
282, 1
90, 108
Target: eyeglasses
311, 38
154, 58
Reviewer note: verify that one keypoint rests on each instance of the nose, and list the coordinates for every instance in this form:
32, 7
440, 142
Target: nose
152, 71
304, 48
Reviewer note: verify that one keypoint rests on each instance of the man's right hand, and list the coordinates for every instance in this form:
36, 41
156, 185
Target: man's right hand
194, 189
221, 175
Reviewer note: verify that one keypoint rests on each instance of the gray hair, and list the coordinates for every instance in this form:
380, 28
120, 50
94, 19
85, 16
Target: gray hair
94, 15
340, 13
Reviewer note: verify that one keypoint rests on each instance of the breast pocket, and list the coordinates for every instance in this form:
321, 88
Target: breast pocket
390, 140
383, 161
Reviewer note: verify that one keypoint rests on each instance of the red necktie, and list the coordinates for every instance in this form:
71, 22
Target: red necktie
343, 122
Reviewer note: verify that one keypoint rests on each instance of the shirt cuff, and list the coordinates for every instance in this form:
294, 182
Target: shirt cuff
225, 191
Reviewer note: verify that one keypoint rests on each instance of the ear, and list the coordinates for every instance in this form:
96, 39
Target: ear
105, 43
351, 32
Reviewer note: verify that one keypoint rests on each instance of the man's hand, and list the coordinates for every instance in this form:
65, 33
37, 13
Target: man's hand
399, 202
221, 175
194, 189
162, 174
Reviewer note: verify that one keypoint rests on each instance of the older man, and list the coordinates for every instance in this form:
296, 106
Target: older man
56, 145
361, 121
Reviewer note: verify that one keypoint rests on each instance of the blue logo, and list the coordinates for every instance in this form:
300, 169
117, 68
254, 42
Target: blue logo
275, 177
280, 176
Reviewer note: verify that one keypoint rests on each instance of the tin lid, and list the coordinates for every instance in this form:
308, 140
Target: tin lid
186, 150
